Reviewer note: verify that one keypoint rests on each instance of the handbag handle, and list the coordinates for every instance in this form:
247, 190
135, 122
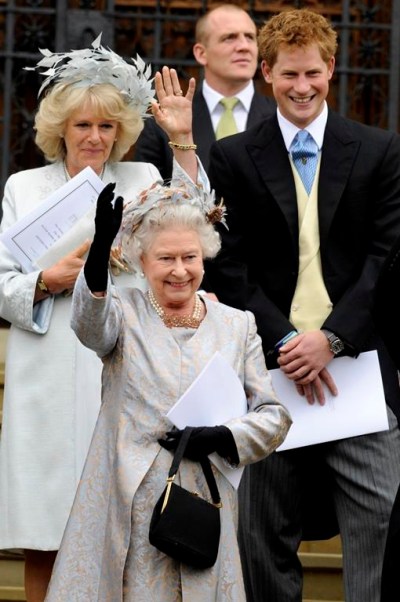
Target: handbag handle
205, 464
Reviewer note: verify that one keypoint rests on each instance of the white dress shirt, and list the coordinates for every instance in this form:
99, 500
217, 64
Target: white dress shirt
240, 111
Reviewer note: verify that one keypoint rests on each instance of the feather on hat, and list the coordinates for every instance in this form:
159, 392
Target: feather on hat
99, 65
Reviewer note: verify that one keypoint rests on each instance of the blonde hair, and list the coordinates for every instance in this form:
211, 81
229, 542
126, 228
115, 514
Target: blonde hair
64, 99
296, 28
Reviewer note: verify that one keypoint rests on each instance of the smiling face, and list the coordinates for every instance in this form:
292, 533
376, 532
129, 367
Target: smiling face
300, 82
89, 139
173, 266
228, 50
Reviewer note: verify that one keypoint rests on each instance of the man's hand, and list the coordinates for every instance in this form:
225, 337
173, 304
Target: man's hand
315, 390
304, 359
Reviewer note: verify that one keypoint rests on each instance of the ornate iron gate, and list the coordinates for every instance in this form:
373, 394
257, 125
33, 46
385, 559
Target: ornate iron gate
366, 86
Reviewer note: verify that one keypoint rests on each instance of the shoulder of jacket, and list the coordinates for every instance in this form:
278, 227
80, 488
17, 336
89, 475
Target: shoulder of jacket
35, 171
27, 176
228, 310
342, 126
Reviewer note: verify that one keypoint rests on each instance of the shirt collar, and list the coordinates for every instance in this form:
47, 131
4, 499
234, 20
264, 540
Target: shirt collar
316, 128
212, 97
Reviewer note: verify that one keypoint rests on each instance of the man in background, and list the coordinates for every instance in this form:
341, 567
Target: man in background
226, 48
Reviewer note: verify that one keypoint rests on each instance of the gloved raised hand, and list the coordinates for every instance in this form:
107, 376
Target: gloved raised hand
107, 222
204, 440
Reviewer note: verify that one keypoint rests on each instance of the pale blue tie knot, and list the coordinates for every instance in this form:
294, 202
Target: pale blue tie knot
304, 151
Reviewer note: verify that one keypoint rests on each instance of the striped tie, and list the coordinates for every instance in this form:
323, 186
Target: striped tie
227, 124
304, 151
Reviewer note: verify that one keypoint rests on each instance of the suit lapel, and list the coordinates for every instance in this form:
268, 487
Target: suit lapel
203, 132
338, 154
270, 157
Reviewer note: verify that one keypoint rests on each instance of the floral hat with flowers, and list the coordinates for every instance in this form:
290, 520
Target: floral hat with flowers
159, 196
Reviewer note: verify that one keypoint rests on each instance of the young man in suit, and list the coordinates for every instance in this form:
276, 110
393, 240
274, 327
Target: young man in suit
226, 47
305, 259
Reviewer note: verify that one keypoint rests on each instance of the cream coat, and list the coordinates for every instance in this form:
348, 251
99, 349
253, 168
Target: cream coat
105, 554
52, 382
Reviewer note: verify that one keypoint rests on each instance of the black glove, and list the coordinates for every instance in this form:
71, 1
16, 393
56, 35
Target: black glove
203, 441
107, 221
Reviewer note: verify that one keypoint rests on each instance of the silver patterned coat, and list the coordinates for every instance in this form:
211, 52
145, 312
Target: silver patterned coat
105, 553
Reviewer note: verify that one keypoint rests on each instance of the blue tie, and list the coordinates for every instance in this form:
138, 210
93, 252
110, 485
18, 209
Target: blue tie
304, 151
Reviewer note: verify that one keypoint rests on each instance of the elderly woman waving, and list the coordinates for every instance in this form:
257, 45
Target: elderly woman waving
153, 345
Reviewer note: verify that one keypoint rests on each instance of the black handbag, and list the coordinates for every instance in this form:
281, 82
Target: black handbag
184, 525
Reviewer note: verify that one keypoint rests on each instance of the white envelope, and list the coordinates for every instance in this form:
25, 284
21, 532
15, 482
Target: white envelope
214, 397
358, 409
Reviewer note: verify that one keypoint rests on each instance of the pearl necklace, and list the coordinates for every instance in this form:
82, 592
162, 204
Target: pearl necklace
170, 320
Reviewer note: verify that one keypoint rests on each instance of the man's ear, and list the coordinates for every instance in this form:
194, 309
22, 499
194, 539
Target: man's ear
200, 54
331, 66
266, 71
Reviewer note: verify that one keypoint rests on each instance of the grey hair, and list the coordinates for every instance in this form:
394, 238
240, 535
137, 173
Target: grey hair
172, 215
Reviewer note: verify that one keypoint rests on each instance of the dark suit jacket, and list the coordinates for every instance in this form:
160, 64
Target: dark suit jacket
152, 145
387, 305
359, 218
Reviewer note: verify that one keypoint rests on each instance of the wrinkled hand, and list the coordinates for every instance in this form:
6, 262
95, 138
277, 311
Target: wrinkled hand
203, 441
61, 276
108, 217
173, 111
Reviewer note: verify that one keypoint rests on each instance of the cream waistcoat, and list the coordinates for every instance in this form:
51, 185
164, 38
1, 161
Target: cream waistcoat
311, 303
